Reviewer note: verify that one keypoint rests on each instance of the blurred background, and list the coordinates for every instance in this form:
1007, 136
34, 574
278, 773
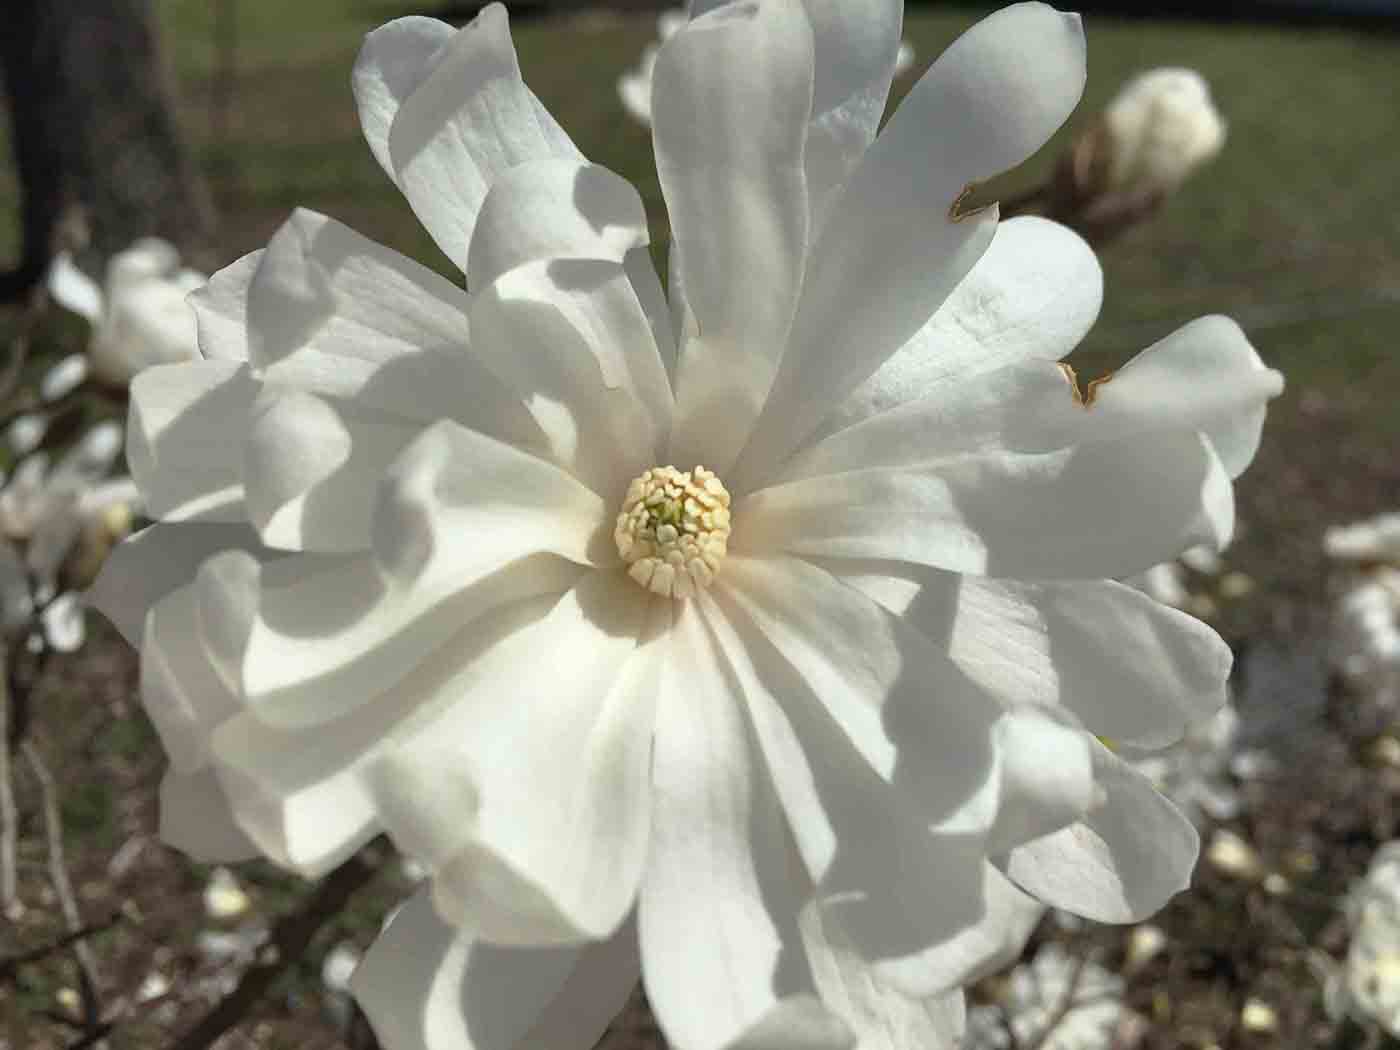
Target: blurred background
206, 121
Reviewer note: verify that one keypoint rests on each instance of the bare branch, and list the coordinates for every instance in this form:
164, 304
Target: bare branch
12, 963
10, 906
62, 885
1065, 1005
288, 942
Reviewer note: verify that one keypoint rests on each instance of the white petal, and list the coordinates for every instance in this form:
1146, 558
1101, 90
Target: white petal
854, 59
1110, 508
1033, 296
732, 95
74, 290
183, 694
308, 795
909, 711
896, 887
334, 313
718, 907
393, 61
301, 795
553, 849
195, 819
1047, 778
1205, 374
311, 469
895, 245
466, 121
560, 208
221, 310
1125, 666
880, 1017
1122, 862
146, 567
455, 508
574, 343
184, 439
426, 985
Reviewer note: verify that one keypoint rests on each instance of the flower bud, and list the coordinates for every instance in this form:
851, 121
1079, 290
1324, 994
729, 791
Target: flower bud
1161, 127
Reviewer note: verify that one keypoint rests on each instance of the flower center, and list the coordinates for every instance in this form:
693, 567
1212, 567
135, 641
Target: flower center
673, 531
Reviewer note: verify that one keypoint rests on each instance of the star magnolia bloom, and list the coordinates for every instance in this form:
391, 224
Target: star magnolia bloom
634, 88
1162, 126
140, 318
754, 635
1368, 987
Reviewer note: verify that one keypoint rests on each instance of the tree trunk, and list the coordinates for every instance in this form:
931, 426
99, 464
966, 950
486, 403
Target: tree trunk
93, 128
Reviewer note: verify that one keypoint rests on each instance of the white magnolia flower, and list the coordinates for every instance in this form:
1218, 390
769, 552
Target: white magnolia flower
1057, 1002
1365, 643
1373, 540
634, 87
140, 317
1195, 772
722, 635
1162, 126
1369, 986
49, 509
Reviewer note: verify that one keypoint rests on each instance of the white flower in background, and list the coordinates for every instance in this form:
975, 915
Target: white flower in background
1369, 986
446, 564
50, 510
1162, 126
634, 87
1373, 540
1057, 1002
1365, 643
1195, 772
139, 317
64, 377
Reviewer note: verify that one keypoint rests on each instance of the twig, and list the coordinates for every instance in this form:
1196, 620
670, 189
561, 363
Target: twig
1065, 1005
9, 814
288, 942
19, 345
10, 964
62, 885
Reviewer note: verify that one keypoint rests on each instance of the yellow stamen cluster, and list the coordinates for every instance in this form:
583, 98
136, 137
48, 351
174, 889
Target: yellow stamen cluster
673, 531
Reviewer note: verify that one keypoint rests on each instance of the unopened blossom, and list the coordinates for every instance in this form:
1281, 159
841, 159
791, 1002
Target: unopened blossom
756, 634
1161, 127
139, 316
634, 86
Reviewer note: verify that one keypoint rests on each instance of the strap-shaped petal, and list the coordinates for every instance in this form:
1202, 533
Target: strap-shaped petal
559, 208
896, 244
1033, 296
1127, 667
312, 468
221, 310
898, 888
451, 114
455, 508
427, 985
1105, 509
551, 845
718, 907
1122, 862
183, 439
854, 52
571, 341
732, 94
